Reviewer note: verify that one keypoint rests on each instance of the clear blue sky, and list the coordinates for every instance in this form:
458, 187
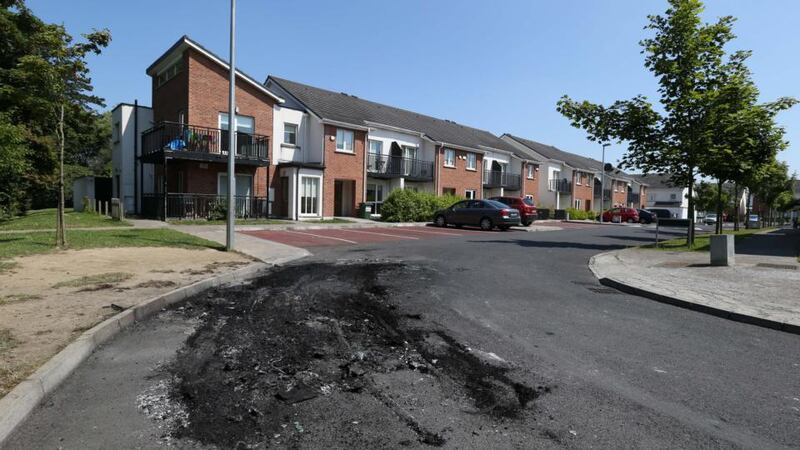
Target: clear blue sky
499, 66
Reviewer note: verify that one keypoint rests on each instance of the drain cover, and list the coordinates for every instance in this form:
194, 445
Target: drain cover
777, 266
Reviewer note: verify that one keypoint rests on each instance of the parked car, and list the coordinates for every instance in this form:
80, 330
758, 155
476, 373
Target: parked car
646, 216
525, 206
661, 213
486, 214
710, 219
629, 215
753, 221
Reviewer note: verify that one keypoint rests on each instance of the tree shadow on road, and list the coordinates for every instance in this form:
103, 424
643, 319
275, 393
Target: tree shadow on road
547, 244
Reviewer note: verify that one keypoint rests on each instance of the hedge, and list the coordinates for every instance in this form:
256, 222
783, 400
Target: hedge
412, 206
579, 214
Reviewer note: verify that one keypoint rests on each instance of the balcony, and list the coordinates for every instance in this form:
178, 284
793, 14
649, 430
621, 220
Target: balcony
562, 186
201, 143
202, 206
498, 178
386, 166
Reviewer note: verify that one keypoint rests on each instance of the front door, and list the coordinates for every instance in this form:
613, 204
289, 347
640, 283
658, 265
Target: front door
343, 197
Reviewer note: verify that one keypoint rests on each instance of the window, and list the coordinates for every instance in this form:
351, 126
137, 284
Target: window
244, 124
409, 152
531, 171
578, 178
375, 197
651, 197
469, 193
117, 132
309, 196
344, 140
472, 161
673, 196
577, 203
168, 73
290, 133
375, 147
449, 157
448, 191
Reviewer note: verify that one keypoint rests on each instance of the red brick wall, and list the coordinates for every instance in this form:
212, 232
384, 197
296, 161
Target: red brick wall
342, 166
621, 196
643, 196
201, 178
172, 96
530, 186
583, 191
459, 177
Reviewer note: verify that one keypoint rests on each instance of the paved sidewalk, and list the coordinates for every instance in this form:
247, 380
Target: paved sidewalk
261, 249
762, 288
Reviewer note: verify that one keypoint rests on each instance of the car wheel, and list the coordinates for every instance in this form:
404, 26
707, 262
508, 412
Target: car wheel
486, 224
440, 221
527, 223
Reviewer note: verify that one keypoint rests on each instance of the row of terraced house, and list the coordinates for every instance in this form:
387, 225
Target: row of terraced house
307, 153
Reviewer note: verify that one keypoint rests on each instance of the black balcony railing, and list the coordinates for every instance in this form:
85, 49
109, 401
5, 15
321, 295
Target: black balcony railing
202, 206
499, 178
177, 138
562, 186
397, 166
634, 199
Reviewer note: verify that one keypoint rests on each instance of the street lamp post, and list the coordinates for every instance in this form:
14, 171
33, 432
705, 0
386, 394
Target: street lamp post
603, 183
232, 136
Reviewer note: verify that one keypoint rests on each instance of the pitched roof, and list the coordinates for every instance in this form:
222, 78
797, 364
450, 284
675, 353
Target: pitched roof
550, 152
349, 109
654, 180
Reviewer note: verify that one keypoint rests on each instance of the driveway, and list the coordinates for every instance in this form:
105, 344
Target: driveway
609, 370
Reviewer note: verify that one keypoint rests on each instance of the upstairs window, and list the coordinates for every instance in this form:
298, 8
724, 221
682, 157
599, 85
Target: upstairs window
344, 140
449, 157
168, 73
531, 171
244, 124
290, 133
472, 161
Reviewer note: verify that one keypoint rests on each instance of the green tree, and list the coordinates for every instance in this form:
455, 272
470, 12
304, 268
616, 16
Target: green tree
689, 61
46, 88
14, 167
772, 186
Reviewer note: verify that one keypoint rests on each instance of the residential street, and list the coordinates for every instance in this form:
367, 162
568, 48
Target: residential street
515, 312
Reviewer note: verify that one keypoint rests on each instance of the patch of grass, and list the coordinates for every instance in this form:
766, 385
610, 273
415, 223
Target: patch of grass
7, 265
14, 298
95, 280
702, 243
12, 245
223, 222
45, 219
7, 341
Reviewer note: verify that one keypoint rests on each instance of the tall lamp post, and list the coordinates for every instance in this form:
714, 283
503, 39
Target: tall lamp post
232, 136
603, 183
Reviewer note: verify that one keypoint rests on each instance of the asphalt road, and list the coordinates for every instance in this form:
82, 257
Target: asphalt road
626, 372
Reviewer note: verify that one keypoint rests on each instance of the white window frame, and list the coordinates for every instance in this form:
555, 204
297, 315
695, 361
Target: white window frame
472, 161
577, 203
286, 126
301, 187
531, 171
342, 133
578, 178
379, 145
238, 175
447, 162
238, 116
470, 194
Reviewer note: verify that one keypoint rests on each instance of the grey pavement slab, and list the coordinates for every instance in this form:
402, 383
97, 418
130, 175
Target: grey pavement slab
760, 285
261, 249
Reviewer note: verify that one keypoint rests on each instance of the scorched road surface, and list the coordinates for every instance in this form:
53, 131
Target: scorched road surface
489, 340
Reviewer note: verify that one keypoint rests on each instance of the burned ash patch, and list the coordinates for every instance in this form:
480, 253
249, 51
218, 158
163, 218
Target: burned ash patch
317, 355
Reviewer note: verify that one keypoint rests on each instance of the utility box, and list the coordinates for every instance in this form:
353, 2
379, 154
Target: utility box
722, 250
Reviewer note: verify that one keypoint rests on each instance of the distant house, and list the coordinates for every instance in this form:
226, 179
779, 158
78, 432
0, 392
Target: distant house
664, 195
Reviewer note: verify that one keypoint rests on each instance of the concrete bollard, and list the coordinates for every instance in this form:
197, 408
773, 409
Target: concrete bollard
722, 250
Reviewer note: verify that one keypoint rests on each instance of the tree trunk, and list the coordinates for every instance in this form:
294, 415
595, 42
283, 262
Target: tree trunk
690, 231
61, 238
736, 207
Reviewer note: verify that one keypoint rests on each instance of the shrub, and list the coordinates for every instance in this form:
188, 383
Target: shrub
412, 206
579, 214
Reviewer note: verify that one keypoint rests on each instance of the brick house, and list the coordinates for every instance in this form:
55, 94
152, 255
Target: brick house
187, 144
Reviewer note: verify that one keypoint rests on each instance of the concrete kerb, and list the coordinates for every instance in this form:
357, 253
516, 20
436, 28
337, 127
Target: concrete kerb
18, 404
682, 303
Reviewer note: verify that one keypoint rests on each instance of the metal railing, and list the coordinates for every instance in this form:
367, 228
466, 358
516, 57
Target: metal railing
499, 178
177, 137
203, 206
398, 166
562, 186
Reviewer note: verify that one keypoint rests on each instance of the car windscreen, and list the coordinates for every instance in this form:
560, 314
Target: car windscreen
495, 204
528, 201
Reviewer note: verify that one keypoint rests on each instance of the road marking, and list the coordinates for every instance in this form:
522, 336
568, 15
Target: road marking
443, 233
379, 234
321, 236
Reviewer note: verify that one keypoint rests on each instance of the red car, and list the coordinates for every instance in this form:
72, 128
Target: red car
620, 215
525, 206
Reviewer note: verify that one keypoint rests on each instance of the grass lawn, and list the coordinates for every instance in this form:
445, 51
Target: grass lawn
44, 219
702, 242
12, 245
222, 222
